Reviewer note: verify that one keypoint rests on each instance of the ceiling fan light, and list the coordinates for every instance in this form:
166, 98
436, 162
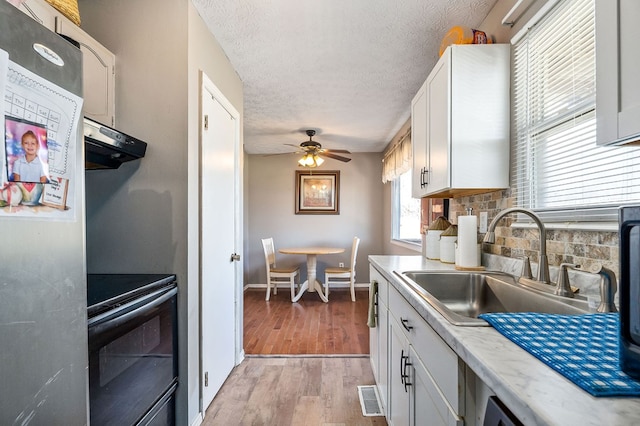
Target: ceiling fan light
309, 160
318, 160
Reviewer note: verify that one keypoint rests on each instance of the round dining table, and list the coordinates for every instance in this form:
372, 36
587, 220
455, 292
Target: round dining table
312, 284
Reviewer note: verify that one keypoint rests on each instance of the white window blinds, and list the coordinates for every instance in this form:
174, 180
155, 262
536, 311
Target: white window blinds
557, 168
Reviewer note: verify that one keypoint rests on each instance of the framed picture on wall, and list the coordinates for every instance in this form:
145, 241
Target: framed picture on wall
318, 192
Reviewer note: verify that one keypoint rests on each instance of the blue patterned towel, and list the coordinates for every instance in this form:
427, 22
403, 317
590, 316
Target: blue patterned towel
583, 348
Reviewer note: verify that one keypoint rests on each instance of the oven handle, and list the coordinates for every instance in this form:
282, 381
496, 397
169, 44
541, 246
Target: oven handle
112, 321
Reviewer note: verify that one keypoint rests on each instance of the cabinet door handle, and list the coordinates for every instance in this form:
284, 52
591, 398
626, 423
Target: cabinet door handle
402, 366
404, 363
424, 173
405, 323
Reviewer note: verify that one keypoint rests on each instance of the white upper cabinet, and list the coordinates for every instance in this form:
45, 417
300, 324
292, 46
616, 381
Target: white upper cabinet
98, 63
41, 11
98, 73
617, 64
460, 123
419, 143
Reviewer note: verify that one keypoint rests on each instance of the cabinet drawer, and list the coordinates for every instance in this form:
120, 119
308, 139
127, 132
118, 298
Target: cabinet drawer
441, 361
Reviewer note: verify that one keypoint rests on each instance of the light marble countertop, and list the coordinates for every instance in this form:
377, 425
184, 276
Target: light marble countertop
535, 393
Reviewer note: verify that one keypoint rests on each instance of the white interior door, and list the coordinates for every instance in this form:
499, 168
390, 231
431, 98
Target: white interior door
219, 164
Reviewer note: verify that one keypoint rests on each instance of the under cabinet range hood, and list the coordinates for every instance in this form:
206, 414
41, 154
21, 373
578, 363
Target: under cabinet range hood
107, 148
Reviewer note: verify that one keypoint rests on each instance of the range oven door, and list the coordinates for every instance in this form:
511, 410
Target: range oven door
133, 365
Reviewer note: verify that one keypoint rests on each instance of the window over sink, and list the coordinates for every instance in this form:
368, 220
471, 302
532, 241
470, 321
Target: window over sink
557, 168
405, 216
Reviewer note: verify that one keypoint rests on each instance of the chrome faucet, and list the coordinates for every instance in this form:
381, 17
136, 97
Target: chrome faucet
543, 265
563, 287
608, 288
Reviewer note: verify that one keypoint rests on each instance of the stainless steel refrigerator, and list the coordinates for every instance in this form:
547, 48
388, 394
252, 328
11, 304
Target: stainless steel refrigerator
43, 319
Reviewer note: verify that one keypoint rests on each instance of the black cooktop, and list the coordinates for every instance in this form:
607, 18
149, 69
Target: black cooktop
108, 290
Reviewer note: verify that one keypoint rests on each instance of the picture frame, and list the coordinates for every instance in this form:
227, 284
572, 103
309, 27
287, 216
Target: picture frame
19, 131
55, 193
317, 192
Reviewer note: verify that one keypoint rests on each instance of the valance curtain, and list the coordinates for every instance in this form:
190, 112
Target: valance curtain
397, 159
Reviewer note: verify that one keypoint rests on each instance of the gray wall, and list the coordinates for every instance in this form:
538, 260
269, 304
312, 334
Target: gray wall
136, 215
143, 217
270, 213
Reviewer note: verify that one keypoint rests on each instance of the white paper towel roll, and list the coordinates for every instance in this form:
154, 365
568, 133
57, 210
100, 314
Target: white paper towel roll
467, 254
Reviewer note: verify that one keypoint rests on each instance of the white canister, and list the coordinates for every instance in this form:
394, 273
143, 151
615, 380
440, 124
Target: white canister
448, 249
433, 244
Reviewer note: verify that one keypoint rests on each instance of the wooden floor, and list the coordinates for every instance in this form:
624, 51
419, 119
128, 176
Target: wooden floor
303, 363
309, 326
283, 391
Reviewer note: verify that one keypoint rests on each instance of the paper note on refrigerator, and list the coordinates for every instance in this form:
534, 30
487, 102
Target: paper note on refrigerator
4, 66
38, 109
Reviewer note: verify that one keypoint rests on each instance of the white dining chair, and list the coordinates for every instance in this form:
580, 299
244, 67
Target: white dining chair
336, 275
277, 275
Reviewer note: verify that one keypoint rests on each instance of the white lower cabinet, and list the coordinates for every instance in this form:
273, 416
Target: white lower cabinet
378, 338
414, 397
428, 406
425, 381
399, 388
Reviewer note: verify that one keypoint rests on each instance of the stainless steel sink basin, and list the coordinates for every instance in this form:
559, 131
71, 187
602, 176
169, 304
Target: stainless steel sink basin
461, 296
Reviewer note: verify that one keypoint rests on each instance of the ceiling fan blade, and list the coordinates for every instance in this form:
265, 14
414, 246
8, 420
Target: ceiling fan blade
282, 153
341, 151
290, 144
335, 157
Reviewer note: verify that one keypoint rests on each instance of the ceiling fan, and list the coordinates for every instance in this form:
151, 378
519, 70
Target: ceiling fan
313, 152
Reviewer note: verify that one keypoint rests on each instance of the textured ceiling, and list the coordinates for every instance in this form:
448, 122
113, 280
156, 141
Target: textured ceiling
346, 68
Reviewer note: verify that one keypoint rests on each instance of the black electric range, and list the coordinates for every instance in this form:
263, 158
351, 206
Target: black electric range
133, 348
106, 291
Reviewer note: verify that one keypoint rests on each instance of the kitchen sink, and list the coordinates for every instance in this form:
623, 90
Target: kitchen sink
461, 296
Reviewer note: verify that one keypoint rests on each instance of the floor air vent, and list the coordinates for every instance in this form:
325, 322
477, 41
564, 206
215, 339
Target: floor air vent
369, 401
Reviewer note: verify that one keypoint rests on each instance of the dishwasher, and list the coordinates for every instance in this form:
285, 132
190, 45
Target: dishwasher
497, 414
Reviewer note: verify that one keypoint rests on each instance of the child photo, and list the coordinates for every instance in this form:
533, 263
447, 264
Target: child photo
26, 151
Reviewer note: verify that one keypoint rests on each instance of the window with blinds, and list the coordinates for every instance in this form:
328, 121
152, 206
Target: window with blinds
556, 167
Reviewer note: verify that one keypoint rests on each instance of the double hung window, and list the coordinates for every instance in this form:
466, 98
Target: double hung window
556, 167
406, 211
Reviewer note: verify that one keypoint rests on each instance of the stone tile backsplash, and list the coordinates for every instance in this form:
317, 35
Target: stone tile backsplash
590, 249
